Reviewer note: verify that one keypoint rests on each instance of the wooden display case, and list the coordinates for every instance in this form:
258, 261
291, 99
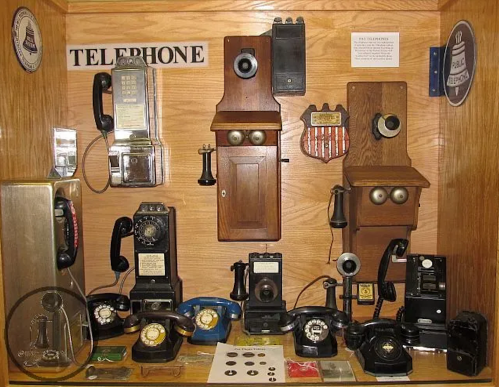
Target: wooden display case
454, 148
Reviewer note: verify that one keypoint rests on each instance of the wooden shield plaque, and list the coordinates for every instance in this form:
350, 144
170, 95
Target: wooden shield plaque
325, 136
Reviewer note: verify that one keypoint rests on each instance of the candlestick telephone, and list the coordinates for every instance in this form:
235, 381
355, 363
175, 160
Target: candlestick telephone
314, 329
160, 335
212, 317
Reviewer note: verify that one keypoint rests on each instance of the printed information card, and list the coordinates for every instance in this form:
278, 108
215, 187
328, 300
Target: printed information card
375, 49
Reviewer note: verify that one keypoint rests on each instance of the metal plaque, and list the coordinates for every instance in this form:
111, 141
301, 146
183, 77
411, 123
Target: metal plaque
459, 63
325, 136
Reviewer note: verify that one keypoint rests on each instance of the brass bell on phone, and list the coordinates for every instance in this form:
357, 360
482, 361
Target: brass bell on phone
378, 195
257, 137
235, 137
399, 195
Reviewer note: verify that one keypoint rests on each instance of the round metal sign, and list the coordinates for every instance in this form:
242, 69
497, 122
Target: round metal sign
27, 39
459, 63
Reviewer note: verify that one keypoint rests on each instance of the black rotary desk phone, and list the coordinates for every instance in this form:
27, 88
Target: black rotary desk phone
314, 327
104, 307
379, 343
160, 336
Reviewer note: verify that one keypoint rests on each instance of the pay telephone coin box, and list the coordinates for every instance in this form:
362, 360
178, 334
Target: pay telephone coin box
158, 286
136, 156
247, 126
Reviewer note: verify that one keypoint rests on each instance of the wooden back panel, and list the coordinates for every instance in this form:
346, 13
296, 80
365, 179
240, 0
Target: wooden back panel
365, 100
468, 205
253, 94
187, 100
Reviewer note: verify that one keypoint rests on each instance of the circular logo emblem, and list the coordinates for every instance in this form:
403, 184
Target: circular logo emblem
459, 63
27, 39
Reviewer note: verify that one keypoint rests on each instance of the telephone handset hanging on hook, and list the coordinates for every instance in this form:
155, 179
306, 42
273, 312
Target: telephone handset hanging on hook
64, 211
386, 289
338, 220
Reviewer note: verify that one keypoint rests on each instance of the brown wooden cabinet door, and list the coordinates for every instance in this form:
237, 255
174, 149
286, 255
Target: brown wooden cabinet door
248, 193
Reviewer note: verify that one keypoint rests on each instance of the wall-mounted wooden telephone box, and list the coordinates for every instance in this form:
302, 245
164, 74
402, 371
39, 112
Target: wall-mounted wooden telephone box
384, 189
247, 127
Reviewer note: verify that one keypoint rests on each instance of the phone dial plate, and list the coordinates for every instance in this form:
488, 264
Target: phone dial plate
153, 334
316, 330
207, 319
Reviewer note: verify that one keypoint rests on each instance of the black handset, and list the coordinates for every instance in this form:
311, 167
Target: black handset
103, 309
158, 341
379, 346
102, 83
123, 227
386, 289
66, 255
314, 329
338, 220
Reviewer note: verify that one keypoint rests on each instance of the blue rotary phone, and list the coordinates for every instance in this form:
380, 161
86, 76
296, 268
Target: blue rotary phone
212, 317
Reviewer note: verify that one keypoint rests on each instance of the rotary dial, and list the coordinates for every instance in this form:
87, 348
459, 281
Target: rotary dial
316, 330
149, 230
207, 319
153, 334
104, 314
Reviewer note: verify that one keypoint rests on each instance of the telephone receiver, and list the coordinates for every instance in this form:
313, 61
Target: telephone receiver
338, 220
123, 227
386, 290
212, 317
66, 255
158, 341
103, 309
379, 345
102, 83
314, 329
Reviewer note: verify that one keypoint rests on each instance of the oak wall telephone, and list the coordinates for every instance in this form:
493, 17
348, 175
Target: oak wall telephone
160, 335
314, 329
212, 317
379, 346
136, 157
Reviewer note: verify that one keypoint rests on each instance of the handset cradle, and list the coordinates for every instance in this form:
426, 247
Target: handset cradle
212, 317
160, 336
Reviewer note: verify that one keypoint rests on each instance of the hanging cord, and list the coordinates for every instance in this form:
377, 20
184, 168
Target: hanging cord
243, 304
85, 154
330, 228
124, 278
400, 314
88, 319
377, 309
117, 275
307, 286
